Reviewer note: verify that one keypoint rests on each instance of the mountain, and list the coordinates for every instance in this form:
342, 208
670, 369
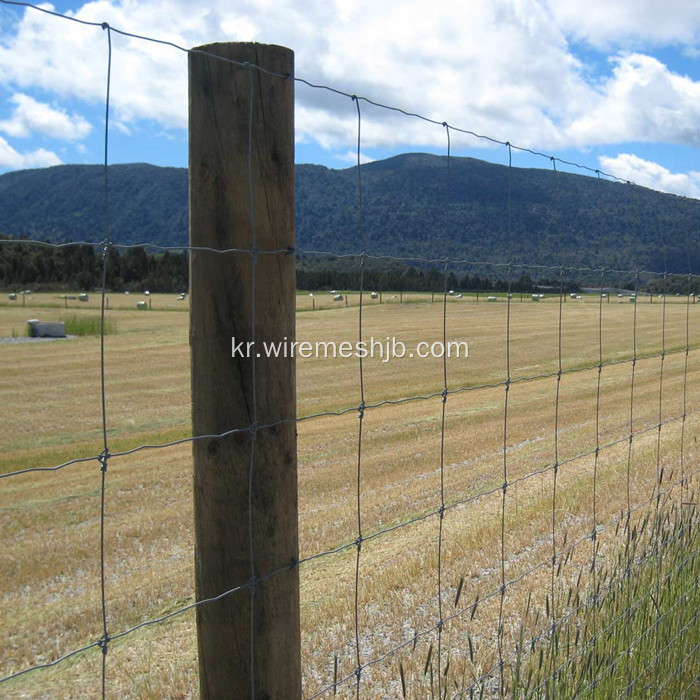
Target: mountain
554, 219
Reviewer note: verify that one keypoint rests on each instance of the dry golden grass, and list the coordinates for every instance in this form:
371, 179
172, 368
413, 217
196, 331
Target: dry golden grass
49, 522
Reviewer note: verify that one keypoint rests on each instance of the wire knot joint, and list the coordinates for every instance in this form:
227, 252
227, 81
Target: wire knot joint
102, 459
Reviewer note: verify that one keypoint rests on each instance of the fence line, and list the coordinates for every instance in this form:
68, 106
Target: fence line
556, 616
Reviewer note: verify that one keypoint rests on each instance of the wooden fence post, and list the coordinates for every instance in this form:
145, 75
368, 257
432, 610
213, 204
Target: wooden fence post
249, 641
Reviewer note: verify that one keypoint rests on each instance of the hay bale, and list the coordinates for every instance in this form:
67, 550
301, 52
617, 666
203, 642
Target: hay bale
491, 299
374, 295
141, 305
535, 297
13, 297
338, 297
82, 297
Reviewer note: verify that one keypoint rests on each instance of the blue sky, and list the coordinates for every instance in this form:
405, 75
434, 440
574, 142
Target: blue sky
611, 84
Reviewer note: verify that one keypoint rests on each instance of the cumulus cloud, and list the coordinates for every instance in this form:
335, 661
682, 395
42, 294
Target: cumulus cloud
636, 22
497, 66
31, 116
642, 101
649, 174
38, 158
504, 68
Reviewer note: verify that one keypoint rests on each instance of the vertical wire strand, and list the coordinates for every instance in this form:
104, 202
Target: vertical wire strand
444, 407
689, 294
253, 371
594, 532
555, 470
681, 500
105, 454
361, 409
628, 488
499, 633
659, 469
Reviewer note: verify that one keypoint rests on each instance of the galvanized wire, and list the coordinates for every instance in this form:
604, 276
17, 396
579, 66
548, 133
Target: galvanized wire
361, 410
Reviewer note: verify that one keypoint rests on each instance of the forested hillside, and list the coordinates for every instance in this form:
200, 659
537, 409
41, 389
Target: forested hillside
567, 219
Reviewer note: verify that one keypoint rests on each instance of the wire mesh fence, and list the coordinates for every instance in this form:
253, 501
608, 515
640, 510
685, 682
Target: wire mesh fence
519, 524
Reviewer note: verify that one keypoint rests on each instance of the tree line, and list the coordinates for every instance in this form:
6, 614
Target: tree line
79, 267
409, 278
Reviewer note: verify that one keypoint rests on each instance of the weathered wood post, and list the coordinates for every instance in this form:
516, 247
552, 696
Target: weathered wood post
249, 641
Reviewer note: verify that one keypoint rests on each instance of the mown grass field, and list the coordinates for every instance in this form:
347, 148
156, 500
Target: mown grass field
49, 521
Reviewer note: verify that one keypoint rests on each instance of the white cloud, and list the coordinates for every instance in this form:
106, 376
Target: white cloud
649, 174
497, 66
350, 157
636, 22
31, 116
503, 68
641, 101
120, 127
39, 158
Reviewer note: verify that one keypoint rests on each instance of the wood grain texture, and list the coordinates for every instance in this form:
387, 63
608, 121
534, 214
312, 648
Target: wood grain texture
250, 298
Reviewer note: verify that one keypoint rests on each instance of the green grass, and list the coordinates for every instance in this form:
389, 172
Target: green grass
88, 325
639, 633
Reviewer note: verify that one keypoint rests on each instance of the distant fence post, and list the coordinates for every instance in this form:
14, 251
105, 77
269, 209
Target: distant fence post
249, 641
